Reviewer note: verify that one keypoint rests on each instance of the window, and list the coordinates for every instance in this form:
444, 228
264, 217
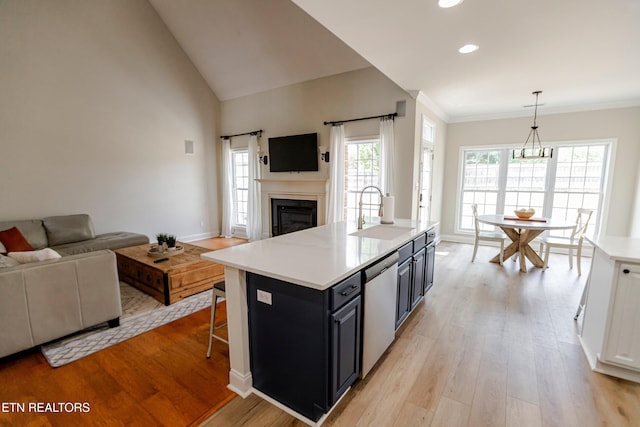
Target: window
362, 169
240, 162
579, 182
574, 178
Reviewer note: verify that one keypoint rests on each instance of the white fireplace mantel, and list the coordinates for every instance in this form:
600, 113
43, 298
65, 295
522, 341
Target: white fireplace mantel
294, 189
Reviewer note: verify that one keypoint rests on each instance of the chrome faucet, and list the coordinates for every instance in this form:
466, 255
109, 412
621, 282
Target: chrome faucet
380, 210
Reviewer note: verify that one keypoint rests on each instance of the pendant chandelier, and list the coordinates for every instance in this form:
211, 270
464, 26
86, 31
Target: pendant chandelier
535, 150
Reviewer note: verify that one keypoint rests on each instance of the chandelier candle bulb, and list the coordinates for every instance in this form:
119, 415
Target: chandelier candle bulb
388, 206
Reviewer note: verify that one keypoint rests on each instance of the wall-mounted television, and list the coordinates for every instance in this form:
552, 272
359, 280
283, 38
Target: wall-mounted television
294, 153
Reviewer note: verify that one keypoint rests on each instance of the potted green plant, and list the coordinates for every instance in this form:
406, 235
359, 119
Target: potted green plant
162, 241
171, 242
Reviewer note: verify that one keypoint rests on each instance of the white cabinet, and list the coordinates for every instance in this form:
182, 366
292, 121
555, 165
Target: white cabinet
610, 333
623, 341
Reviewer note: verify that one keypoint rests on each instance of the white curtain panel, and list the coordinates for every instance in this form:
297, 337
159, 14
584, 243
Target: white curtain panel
227, 188
335, 193
387, 147
254, 213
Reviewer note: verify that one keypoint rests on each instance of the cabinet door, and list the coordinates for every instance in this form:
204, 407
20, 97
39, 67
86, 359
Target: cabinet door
429, 268
417, 282
623, 346
404, 288
345, 347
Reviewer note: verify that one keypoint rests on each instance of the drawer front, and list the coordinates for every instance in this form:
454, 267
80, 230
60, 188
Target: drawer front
419, 242
152, 278
141, 274
405, 252
431, 236
345, 291
211, 272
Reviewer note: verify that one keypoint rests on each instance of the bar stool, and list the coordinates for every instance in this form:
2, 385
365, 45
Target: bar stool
218, 291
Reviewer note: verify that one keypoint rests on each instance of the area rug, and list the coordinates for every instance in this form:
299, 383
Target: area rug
140, 313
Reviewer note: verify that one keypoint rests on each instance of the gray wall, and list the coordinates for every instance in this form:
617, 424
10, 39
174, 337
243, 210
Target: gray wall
96, 100
302, 108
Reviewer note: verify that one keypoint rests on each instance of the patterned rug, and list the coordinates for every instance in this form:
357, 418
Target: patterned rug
140, 313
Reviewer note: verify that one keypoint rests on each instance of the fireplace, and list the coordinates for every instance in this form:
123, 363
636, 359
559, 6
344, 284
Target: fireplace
289, 215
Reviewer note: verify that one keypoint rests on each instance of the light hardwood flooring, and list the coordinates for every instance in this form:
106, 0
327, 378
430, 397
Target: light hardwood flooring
489, 346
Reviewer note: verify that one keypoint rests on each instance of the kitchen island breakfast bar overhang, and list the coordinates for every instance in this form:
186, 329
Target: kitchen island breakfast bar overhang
307, 267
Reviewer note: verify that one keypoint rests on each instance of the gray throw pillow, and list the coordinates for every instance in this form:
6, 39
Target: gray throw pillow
68, 229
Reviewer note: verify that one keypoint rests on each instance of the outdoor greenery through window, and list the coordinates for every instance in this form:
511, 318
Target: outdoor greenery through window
362, 169
240, 161
573, 178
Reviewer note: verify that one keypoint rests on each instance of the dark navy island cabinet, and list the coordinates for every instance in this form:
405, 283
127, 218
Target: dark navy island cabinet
415, 273
305, 344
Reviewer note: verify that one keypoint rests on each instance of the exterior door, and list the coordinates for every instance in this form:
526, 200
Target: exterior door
426, 171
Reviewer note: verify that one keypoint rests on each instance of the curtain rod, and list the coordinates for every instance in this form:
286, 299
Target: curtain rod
255, 132
391, 116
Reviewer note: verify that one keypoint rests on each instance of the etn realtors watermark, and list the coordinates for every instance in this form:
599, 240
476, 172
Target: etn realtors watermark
45, 407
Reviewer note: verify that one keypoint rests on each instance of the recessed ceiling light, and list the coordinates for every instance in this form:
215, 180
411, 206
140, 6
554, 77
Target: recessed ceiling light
448, 3
468, 48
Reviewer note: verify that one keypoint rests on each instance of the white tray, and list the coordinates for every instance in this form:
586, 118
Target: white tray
153, 252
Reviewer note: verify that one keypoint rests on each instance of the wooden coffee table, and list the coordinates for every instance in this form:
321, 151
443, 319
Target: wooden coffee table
172, 280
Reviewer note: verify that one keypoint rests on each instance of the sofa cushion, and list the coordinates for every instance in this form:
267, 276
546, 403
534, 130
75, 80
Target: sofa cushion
31, 229
68, 229
6, 262
3, 250
116, 240
34, 256
13, 240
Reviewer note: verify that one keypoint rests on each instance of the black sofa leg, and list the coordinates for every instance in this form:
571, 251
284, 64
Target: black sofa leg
113, 323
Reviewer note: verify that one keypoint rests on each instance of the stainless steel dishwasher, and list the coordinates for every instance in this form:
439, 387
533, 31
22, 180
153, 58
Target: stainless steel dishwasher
380, 291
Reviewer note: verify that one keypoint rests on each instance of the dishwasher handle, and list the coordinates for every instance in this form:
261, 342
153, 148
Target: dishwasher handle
380, 267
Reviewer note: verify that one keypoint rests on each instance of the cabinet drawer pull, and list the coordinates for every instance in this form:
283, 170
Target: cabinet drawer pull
626, 271
350, 291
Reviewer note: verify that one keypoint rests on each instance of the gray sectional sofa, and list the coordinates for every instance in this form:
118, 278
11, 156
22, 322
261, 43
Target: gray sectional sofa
45, 300
71, 234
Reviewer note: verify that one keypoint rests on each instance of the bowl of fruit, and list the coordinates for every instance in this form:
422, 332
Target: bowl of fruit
524, 213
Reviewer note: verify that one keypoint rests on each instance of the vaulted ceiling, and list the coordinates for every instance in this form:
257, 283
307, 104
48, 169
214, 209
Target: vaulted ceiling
583, 54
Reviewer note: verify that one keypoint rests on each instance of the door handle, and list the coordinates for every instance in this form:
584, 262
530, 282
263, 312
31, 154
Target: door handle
626, 271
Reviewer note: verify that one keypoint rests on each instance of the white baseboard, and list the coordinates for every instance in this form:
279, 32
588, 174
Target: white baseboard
199, 236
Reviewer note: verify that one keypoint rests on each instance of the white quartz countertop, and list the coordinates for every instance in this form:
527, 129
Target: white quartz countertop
618, 248
319, 257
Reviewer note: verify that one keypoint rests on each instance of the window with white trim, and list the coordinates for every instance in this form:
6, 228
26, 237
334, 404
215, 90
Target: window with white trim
240, 163
573, 178
362, 169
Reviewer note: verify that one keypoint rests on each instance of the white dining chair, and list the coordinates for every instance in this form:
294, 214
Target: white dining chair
486, 235
571, 243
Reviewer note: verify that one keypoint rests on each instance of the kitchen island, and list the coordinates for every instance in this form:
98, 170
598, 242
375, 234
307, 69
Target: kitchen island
610, 335
315, 262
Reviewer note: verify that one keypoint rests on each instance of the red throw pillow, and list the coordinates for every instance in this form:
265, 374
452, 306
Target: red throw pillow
14, 241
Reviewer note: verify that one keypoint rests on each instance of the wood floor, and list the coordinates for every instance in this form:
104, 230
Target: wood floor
159, 378
489, 346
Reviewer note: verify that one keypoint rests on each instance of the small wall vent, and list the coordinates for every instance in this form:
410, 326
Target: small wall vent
188, 147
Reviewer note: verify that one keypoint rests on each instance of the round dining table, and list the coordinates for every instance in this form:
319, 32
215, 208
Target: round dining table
522, 232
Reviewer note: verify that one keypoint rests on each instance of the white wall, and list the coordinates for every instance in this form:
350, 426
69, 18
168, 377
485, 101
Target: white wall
622, 125
96, 100
302, 108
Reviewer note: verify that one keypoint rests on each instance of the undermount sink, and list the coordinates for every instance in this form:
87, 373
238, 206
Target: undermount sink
383, 232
